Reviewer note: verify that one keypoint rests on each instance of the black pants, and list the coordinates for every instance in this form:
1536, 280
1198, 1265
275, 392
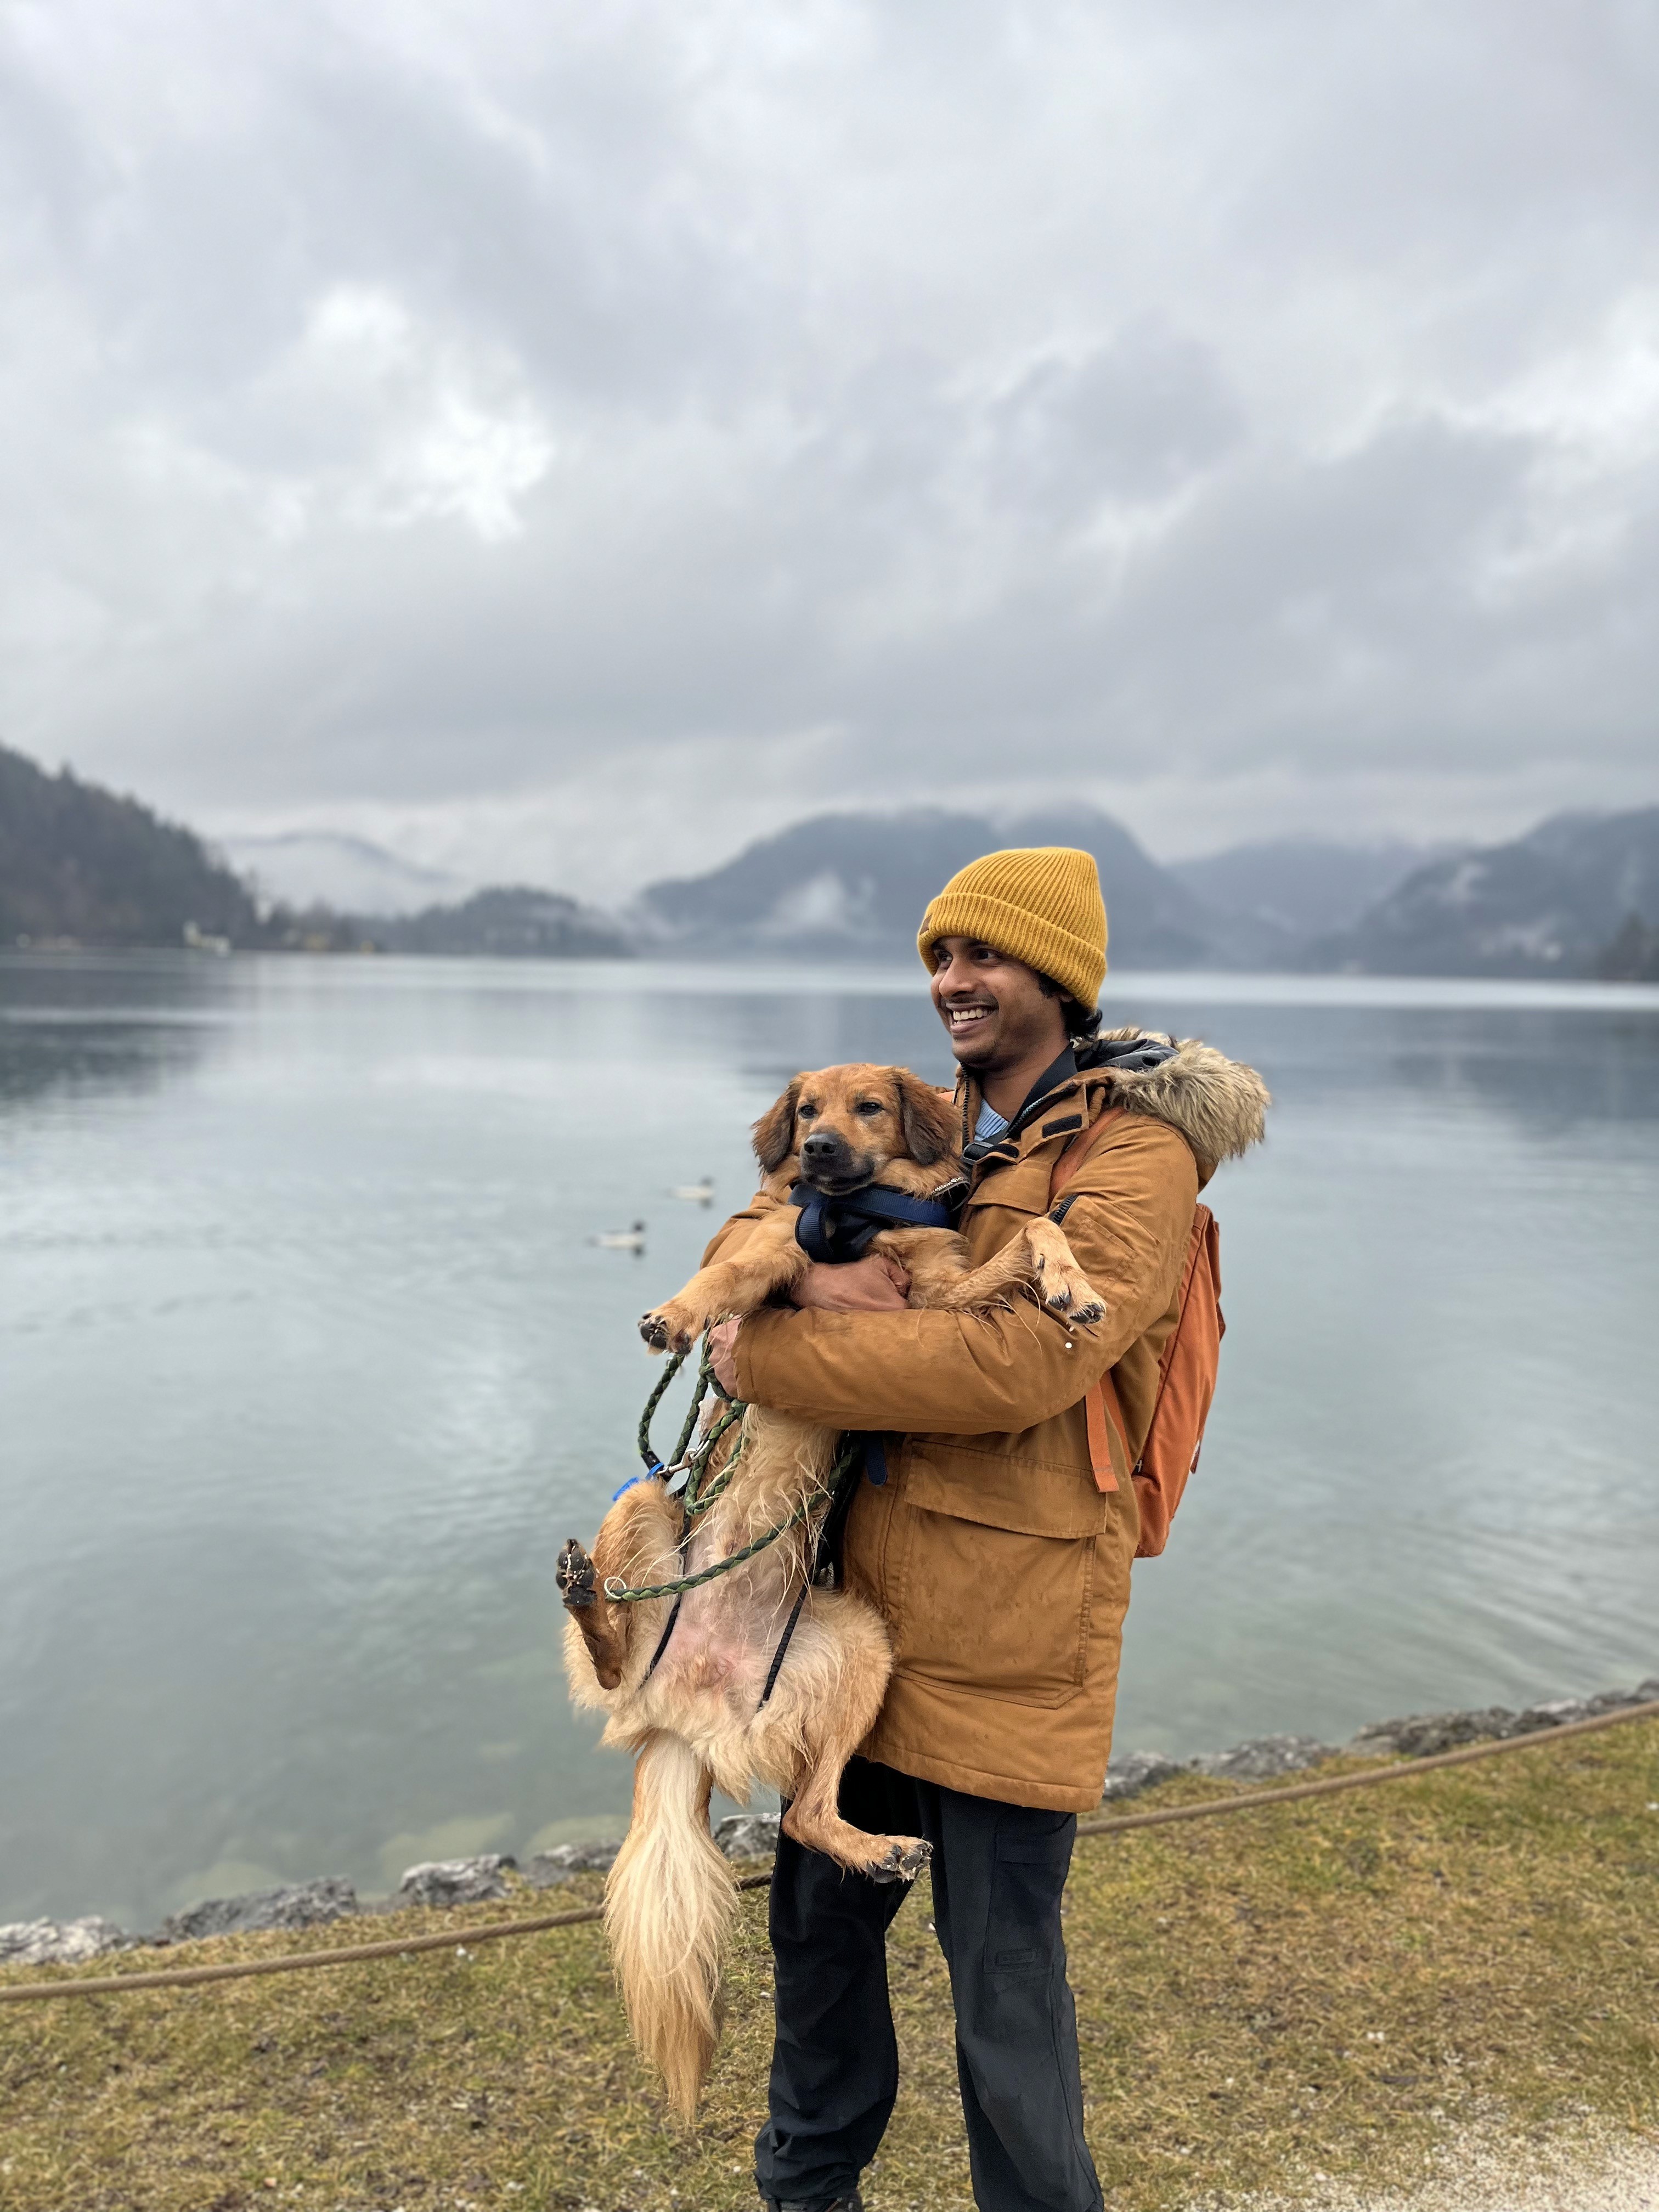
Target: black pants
998, 1872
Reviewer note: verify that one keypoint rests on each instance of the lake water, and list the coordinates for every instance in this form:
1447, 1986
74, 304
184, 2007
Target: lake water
307, 1368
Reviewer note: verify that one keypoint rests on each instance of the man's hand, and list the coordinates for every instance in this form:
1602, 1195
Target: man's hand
722, 1355
872, 1284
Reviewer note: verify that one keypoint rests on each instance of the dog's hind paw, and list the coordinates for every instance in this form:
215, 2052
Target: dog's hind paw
902, 1861
1070, 1295
574, 1576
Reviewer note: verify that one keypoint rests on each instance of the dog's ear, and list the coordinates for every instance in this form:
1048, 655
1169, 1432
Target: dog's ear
927, 1117
774, 1132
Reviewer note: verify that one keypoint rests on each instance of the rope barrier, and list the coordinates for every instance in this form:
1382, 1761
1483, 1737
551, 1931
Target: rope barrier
345, 1954
1405, 1769
1248, 1800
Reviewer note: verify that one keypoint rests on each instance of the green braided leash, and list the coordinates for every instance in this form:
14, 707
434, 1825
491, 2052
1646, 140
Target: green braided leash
696, 1500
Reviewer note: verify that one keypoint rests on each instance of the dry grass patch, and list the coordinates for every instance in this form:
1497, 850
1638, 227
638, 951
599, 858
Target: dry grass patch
1300, 2001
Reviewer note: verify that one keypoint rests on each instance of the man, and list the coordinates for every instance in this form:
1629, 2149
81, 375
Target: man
998, 1559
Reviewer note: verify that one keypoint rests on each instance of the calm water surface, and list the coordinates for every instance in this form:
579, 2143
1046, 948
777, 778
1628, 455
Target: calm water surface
306, 1369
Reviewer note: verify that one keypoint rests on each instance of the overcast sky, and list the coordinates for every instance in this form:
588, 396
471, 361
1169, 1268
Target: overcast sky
564, 440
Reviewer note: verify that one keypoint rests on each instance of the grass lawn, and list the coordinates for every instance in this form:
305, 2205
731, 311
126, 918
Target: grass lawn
1343, 1988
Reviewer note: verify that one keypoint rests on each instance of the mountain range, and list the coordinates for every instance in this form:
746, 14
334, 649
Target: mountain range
851, 886
1553, 902
1282, 893
1578, 896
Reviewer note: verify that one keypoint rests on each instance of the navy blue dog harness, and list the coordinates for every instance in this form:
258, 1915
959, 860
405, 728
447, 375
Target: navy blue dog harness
834, 1230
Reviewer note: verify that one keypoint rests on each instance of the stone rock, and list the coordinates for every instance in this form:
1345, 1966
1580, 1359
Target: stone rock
1554, 1712
547, 1869
302, 1904
747, 1835
454, 1881
1136, 1771
1263, 1759
59, 1943
1604, 1701
1419, 1735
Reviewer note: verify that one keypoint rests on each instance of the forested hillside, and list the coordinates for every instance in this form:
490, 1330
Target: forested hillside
78, 863
515, 923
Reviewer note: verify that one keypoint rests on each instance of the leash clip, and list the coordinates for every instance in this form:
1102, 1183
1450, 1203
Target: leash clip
673, 1478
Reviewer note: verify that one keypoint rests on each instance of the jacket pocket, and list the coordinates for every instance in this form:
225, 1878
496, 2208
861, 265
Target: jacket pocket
1017, 1490
981, 1600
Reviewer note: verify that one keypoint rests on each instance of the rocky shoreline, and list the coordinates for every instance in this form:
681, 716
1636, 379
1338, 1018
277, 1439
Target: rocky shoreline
754, 1835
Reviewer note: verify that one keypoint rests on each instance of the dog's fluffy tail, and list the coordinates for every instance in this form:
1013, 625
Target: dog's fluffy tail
668, 1908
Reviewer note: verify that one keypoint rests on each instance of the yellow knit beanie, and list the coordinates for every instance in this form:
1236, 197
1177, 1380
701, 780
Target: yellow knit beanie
1040, 904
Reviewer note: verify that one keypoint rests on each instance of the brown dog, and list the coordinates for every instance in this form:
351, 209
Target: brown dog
694, 1707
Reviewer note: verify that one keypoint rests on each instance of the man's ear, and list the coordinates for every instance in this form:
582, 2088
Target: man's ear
774, 1132
928, 1118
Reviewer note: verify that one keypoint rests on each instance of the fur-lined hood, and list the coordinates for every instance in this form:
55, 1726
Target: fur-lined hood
1218, 1105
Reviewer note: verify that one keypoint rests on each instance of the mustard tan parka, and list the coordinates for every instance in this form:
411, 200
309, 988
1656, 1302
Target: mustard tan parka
1001, 1567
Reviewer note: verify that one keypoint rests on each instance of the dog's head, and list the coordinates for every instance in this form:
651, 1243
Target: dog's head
845, 1125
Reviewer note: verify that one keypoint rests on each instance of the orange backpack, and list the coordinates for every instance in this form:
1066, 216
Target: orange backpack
1186, 1373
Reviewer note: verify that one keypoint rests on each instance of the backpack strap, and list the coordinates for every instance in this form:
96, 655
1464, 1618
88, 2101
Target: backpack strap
1100, 1404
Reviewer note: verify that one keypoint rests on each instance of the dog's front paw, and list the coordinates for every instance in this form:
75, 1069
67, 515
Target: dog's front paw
574, 1576
671, 1328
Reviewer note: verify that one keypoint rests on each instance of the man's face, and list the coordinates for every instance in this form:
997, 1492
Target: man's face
994, 1009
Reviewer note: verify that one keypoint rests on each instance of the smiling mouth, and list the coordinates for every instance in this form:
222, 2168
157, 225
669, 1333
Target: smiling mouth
965, 1020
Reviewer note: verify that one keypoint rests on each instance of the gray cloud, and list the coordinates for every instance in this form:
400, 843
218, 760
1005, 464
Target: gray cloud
568, 440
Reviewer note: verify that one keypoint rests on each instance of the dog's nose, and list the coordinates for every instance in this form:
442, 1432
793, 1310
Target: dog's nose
819, 1148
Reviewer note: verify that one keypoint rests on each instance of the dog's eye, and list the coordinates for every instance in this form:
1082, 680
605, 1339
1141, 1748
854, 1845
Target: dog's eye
805, 1112
868, 1107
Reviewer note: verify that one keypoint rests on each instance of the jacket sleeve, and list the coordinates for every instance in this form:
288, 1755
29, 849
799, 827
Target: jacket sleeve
728, 1240
975, 1374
